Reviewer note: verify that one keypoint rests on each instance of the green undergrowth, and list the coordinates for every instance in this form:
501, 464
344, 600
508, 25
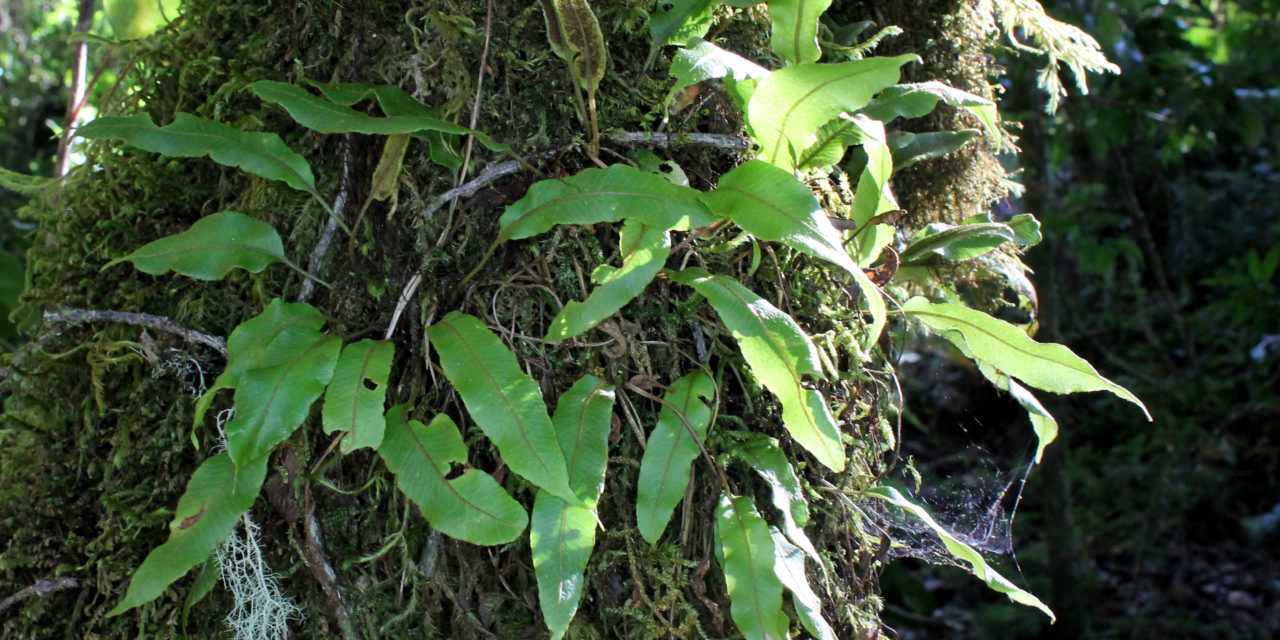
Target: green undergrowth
122, 413
119, 436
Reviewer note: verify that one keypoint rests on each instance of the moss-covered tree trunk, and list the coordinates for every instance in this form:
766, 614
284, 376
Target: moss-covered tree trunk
99, 442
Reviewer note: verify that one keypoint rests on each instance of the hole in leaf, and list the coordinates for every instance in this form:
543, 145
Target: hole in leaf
665, 167
370, 385
455, 471
667, 6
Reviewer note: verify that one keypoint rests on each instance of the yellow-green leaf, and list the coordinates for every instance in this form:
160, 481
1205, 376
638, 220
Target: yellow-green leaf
795, 29
664, 469
645, 250
603, 195
960, 242
247, 344
918, 99
747, 556
678, 21
354, 399
582, 422
132, 19
961, 551
216, 495
780, 355
1051, 367
327, 116
771, 204
788, 565
791, 104
766, 458
472, 507
505, 403
562, 535
705, 61
211, 248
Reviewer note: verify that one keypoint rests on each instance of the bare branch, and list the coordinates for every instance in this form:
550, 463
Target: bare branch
41, 588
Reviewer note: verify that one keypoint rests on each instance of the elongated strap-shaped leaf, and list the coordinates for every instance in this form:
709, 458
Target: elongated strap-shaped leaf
505, 403
472, 507
763, 454
1043, 423
1051, 367
216, 495
354, 399
393, 100
771, 204
562, 536
664, 469
396, 102
791, 104
918, 99
645, 250
324, 116
795, 29
211, 248
961, 242
582, 423
603, 195
262, 154
873, 196
705, 61
910, 148
960, 551
788, 565
272, 400
248, 343
747, 557
780, 355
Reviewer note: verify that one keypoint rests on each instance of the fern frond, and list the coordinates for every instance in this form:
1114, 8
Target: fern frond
1058, 41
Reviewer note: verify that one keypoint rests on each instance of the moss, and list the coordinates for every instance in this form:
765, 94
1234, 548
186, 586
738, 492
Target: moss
96, 466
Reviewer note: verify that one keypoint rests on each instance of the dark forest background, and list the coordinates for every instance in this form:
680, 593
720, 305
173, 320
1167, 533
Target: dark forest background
1160, 198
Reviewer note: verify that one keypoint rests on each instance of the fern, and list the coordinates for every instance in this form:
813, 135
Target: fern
1058, 41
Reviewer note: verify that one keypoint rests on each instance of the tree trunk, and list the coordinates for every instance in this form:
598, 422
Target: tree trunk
100, 439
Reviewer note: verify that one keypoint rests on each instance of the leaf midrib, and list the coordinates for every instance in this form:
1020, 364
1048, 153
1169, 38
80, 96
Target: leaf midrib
413, 437
782, 125
518, 419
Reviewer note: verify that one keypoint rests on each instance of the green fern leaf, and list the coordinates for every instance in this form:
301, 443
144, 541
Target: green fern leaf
505, 403
664, 469
472, 507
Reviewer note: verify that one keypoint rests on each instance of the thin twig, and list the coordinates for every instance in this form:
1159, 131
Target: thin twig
75, 316
318, 562
475, 121
158, 323
41, 588
490, 173
641, 138
632, 138
331, 228
79, 68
